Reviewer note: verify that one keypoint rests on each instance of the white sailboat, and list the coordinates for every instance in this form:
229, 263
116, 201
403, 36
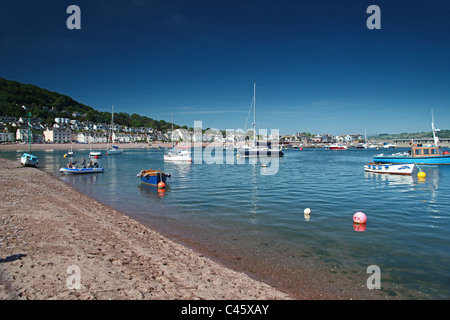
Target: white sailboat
112, 149
363, 145
94, 154
70, 153
175, 154
256, 150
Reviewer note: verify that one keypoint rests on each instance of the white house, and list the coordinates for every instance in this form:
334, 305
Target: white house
62, 120
6, 136
23, 135
92, 137
181, 135
58, 135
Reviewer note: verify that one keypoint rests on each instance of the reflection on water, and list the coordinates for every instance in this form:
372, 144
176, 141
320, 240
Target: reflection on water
260, 218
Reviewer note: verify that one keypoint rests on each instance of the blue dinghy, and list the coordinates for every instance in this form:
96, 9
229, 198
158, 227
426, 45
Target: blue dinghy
152, 177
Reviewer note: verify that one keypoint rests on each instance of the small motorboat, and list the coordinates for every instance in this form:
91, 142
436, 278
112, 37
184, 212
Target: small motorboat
390, 168
337, 146
178, 155
69, 154
29, 160
152, 177
95, 154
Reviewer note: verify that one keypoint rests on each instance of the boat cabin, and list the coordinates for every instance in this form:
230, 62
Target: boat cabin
420, 151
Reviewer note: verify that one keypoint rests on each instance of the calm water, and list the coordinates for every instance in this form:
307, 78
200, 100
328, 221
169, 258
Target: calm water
256, 222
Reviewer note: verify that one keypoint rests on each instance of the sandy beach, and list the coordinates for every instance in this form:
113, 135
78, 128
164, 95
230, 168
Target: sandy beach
56, 243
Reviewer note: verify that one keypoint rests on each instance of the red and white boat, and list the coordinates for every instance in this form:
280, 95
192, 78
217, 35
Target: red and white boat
337, 146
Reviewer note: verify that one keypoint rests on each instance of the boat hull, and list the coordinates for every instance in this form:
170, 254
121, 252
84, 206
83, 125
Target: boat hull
113, 151
81, 170
417, 160
261, 153
152, 177
95, 154
338, 148
390, 168
29, 160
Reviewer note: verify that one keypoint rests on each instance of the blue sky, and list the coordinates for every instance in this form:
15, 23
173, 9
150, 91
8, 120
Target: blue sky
317, 67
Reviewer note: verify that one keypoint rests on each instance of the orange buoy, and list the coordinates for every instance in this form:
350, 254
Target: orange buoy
161, 185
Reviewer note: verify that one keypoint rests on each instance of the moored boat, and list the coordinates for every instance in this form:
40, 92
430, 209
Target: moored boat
258, 150
390, 168
361, 146
95, 154
29, 160
178, 155
112, 149
388, 145
152, 177
337, 146
419, 154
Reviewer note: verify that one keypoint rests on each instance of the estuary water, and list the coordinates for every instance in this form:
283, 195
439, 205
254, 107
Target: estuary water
255, 222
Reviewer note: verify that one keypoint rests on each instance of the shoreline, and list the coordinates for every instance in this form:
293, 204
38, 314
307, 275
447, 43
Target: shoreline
78, 146
48, 228
153, 145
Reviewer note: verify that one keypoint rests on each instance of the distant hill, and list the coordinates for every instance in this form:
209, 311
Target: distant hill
48, 105
417, 135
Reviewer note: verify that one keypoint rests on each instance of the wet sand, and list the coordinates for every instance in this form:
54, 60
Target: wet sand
57, 243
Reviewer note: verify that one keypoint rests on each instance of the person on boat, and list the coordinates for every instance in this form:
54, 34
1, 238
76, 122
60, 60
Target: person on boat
83, 163
90, 164
95, 165
71, 164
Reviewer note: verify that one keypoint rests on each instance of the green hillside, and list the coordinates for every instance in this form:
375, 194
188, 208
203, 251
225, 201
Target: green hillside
417, 135
48, 105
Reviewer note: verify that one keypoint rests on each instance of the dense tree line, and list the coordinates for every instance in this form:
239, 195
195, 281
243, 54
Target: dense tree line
416, 135
47, 105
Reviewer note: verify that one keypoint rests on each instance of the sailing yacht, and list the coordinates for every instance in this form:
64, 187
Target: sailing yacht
257, 150
175, 154
94, 154
112, 149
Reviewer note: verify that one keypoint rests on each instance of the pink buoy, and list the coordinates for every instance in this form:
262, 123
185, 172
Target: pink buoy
359, 217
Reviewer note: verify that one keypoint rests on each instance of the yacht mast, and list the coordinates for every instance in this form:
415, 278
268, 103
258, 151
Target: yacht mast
254, 114
172, 129
112, 126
